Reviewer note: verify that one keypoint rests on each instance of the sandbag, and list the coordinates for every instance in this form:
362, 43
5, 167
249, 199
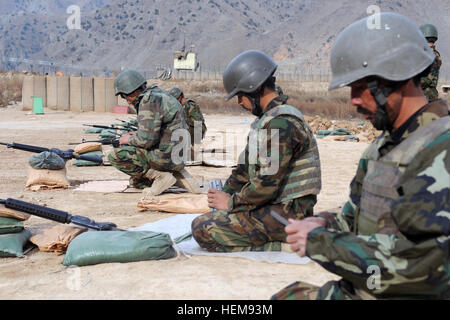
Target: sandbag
88, 147
97, 247
86, 163
10, 213
8, 225
176, 203
56, 239
93, 130
11, 245
47, 160
47, 179
108, 134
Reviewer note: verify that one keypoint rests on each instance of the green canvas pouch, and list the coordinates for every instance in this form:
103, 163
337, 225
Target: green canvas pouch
97, 247
9, 225
11, 245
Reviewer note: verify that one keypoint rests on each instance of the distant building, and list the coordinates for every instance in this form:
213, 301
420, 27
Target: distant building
186, 61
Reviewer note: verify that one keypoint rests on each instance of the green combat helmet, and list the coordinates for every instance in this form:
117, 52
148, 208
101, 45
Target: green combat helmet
390, 58
246, 72
397, 53
175, 92
128, 81
430, 32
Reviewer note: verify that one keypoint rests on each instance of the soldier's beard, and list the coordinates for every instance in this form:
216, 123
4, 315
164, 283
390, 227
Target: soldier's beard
379, 120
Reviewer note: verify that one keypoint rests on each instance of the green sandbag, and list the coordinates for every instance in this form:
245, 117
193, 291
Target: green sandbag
9, 225
47, 160
97, 247
93, 130
11, 245
86, 163
108, 134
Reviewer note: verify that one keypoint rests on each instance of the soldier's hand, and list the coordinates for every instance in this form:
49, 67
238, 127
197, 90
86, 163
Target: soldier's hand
124, 139
218, 199
297, 231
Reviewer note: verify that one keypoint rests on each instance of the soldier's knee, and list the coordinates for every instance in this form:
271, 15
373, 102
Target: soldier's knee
201, 232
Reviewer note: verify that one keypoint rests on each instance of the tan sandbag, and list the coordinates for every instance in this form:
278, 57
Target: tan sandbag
176, 203
56, 239
47, 179
88, 147
10, 213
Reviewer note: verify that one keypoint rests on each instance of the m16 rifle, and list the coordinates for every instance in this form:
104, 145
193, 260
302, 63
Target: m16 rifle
66, 155
57, 215
127, 128
114, 142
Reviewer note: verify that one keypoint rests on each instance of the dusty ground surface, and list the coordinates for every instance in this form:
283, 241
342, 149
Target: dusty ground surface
42, 276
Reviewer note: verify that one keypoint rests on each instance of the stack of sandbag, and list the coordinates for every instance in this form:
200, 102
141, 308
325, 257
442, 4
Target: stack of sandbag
47, 171
13, 235
88, 149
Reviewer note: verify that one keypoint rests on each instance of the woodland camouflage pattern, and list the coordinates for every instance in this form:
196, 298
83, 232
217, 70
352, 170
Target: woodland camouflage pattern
159, 116
248, 225
193, 113
430, 82
414, 264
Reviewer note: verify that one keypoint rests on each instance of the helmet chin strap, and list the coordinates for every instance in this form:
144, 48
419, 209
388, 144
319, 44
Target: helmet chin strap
255, 100
381, 120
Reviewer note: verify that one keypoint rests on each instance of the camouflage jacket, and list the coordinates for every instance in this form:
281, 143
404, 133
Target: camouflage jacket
413, 263
430, 82
193, 113
294, 140
159, 116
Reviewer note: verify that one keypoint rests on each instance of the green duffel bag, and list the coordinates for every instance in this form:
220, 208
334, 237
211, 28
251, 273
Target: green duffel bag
10, 225
86, 163
11, 245
97, 247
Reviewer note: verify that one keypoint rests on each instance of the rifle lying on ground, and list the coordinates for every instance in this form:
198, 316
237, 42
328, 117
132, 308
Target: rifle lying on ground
113, 142
124, 127
57, 215
66, 155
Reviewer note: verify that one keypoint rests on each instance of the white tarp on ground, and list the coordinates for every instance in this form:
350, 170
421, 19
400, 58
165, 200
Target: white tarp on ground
181, 224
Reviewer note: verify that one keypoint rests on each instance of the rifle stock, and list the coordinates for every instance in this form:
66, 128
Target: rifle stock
56, 215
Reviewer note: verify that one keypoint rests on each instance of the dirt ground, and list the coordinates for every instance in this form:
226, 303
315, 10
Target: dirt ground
42, 276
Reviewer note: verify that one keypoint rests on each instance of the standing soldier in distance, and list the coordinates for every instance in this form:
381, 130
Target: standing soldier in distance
392, 238
193, 115
429, 82
281, 174
146, 155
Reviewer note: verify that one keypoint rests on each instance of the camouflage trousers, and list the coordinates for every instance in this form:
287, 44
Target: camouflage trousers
332, 290
135, 162
254, 230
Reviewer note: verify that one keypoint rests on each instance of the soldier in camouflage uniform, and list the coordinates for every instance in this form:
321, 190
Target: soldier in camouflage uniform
281, 174
392, 238
194, 116
284, 97
429, 82
147, 155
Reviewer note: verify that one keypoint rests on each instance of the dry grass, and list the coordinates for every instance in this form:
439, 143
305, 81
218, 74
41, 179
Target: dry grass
10, 88
311, 98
